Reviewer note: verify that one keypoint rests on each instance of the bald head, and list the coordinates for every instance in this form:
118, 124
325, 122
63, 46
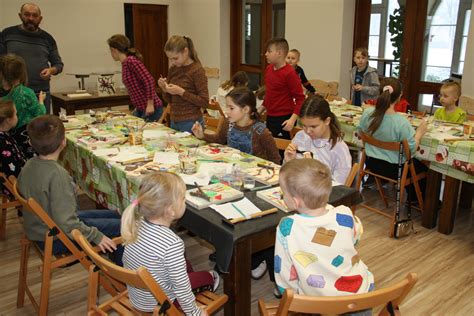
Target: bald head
30, 16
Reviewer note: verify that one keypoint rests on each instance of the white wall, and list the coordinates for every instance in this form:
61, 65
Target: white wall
468, 73
322, 31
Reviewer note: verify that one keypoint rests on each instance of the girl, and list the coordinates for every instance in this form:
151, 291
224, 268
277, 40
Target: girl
242, 129
185, 89
364, 79
138, 80
383, 123
13, 158
149, 242
13, 75
322, 137
239, 79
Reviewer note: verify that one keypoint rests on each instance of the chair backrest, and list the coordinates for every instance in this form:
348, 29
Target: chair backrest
166, 116
140, 278
325, 88
392, 146
352, 175
394, 294
467, 104
281, 143
6, 182
215, 106
294, 131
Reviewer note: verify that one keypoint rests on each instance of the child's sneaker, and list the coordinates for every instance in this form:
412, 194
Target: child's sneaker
216, 278
259, 271
276, 292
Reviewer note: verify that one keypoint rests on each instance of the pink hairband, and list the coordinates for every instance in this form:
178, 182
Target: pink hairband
388, 88
135, 203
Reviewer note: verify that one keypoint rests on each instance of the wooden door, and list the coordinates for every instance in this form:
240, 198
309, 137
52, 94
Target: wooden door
147, 28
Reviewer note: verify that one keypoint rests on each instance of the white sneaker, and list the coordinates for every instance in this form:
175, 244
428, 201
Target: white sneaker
259, 271
216, 278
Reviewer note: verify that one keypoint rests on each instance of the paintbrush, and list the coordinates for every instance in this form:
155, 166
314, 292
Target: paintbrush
202, 194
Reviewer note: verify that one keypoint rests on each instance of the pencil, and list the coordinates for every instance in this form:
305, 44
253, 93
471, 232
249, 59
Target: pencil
255, 215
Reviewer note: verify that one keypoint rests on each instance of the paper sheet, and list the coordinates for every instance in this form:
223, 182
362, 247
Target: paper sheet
201, 179
231, 210
126, 156
212, 168
170, 158
78, 95
105, 151
154, 133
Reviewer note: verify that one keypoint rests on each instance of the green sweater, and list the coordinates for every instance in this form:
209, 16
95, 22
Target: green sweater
52, 187
26, 103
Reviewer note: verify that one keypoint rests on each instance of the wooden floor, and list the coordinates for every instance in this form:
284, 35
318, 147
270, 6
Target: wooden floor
444, 264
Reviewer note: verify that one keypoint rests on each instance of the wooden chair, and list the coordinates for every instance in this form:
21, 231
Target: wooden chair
7, 203
294, 131
390, 297
467, 104
325, 88
352, 175
281, 143
140, 278
165, 118
408, 167
212, 123
215, 106
420, 114
49, 261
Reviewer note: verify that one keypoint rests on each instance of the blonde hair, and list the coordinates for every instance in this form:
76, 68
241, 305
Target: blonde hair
178, 43
157, 192
307, 179
297, 52
452, 84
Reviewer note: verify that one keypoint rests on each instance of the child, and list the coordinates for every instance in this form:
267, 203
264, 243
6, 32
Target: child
383, 123
186, 86
449, 96
138, 80
284, 94
13, 158
242, 129
150, 243
43, 179
314, 249
293, 58
13, 75
239, 79
364, 79
321, 136
401, 106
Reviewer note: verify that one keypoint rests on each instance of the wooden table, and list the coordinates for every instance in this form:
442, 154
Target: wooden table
61, 100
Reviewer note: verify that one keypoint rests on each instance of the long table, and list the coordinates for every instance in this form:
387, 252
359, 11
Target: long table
61, 100
452, 159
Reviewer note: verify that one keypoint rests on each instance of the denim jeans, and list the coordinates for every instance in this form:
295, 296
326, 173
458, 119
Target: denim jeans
106, 221
186, 126
149, 118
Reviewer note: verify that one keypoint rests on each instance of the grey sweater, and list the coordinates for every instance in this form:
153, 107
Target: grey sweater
52, 187
370, 83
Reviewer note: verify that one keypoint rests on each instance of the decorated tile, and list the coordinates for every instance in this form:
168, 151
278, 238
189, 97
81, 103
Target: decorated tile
337, 261
316, 281
293, 273
305, 258
285, 226
277, 264
345, 220
348, 283
324, 236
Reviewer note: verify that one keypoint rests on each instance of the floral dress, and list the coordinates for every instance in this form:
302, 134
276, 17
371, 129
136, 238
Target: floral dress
12, 158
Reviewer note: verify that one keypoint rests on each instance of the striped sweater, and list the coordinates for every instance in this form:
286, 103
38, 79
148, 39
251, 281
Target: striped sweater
161, 252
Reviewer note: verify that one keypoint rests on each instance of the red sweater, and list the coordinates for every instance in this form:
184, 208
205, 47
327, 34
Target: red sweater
284, 94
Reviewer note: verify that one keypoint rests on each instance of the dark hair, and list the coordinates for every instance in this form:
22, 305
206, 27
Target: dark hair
280, 44
178, 43
12, 68
390, 91
122, 44
46, 133
243, 97
362, 50
239, 79
7, 110
316, 106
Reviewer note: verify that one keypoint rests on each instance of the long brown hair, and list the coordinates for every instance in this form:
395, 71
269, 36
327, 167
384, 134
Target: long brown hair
12, 68
316, 106
390, 91
122, 44
239, 79
178, 43
243, 97
7, 110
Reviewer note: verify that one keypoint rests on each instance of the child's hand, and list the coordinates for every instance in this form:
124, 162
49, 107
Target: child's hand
288, 124
203, 311
107, 244
162, 83
41, 97
290, 152
357, 87
174, 89
197, 130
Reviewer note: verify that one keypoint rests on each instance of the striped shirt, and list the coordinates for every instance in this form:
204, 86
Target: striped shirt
161, 252
140, 83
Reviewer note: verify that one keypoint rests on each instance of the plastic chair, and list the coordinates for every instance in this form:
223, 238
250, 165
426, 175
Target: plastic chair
49, 261
140, 278
390, 297
7, 203
407, 166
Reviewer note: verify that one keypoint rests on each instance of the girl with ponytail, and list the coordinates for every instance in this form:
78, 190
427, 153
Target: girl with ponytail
322, 137
185, 88
136, 78
150, 243
242, 128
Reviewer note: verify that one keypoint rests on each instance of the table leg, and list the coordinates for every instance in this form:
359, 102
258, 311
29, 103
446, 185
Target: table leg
237, 283
55, 107
70, 109
467, 192
448, 210
430, 211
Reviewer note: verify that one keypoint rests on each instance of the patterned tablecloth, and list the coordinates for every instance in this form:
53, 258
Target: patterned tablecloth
95, 153
443, 145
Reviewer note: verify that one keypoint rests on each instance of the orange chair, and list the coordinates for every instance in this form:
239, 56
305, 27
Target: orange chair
140, 278
6, 204
390, 297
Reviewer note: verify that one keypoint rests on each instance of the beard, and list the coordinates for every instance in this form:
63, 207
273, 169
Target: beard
30, 26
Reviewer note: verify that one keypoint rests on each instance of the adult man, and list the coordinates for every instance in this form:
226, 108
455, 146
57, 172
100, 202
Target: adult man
36, 46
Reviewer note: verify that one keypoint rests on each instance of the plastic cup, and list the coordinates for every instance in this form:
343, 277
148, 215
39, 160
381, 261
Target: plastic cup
187, 163
249, 183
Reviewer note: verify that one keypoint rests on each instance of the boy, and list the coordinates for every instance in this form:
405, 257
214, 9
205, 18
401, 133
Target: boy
364, 79
314, 249
43, 179
284, 94
293, 58
448, 97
